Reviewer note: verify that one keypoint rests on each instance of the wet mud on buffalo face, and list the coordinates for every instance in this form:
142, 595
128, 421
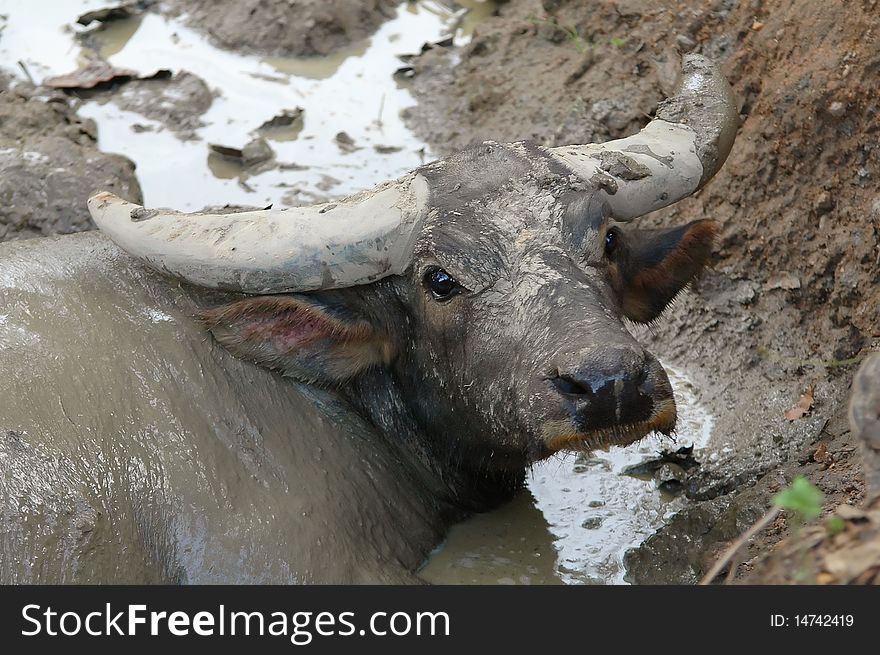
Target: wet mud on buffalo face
521, 284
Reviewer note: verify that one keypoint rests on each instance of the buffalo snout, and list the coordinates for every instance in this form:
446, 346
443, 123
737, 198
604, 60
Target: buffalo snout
610, 396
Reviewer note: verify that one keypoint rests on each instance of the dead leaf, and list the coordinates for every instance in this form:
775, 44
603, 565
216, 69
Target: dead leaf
805, 404
89, 76
96, 72
850, 513
849, 563
226, 151
821, 456
825, 578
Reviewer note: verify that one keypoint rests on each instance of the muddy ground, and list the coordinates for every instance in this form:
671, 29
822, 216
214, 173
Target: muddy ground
50, 164
792, 299
298, 28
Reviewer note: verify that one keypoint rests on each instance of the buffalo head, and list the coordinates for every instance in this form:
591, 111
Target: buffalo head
479, 298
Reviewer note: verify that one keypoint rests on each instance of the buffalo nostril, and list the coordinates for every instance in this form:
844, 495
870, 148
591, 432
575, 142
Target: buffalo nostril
646, 384
570, 386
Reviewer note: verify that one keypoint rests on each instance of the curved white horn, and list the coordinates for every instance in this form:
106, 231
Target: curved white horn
673, 156
338, 244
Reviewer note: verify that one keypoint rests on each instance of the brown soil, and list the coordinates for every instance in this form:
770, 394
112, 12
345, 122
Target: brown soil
792, 300
297, 28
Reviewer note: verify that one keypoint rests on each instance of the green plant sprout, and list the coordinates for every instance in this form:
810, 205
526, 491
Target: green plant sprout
802, 498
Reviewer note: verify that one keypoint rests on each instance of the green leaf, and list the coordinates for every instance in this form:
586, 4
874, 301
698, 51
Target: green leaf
801, 497
835, 525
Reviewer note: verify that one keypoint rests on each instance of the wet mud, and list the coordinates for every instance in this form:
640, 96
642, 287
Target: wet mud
790, 302
50, 164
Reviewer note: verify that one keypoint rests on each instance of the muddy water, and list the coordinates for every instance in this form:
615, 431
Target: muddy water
351, 91
577, 518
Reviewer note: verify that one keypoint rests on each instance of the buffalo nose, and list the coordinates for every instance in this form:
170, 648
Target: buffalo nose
614, 386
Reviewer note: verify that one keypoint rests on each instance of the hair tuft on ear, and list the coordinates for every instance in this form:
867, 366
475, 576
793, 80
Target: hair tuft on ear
659, 264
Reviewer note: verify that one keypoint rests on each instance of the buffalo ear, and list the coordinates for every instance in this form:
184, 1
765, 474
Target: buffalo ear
299, 337
655, 265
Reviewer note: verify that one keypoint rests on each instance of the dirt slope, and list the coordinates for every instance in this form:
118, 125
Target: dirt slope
297, 28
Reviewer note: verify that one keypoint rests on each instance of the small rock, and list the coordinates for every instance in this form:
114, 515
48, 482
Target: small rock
596, 503
671, 487
746, 293
327, 182
286, 118
685, 42
670, 472
824, 203
757, 26
345, 142
386, 150
784, 280
837, 109
592, 523
256, 152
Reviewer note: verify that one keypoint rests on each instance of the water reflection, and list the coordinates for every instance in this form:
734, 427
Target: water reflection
351, 91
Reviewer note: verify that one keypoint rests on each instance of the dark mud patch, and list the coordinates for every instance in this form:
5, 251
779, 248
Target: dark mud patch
50, 164
177, 102
298, 28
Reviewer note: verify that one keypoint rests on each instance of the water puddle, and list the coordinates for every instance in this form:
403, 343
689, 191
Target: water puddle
577, 518
351, 91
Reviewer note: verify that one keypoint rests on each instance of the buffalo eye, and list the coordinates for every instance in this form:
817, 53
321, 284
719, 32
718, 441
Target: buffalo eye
612, 237
440, 283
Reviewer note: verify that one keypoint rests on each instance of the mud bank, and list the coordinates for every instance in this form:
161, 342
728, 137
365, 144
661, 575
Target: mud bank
792, 300
50, 164
298, 28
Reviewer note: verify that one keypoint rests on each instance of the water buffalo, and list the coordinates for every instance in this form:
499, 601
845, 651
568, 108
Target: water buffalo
427, 341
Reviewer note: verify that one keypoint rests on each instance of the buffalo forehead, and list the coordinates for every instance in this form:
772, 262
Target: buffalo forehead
493, 205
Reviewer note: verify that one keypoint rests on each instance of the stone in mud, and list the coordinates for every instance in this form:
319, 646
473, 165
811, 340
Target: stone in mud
345, 142
256, 152
117, 12
251, 156
177, 102
50, 164
286, 119
298, 28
